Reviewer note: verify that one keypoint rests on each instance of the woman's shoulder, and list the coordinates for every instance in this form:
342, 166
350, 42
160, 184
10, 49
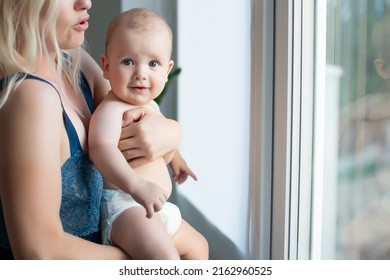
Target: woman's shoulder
34, 96
34, 87
32, 111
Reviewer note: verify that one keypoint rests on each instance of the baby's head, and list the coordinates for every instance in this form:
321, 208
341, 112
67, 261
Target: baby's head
139, 19
380, 38
137, 59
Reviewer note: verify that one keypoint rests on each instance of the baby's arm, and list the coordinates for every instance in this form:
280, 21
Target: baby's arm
169, 157
104, 133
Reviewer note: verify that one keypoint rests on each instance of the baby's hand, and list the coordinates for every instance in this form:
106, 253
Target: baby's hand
181, 173
150, 196
180, 169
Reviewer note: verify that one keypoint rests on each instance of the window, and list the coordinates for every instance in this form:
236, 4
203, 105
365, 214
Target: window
331, 130
356, 208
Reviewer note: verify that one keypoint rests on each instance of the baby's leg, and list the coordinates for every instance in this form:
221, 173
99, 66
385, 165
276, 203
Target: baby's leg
143, 238
190, 244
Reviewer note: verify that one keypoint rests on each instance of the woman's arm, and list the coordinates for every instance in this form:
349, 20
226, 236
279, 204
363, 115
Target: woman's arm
32, 128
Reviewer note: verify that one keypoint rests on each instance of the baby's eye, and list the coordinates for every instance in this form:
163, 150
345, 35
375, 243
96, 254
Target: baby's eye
127, 62
153, 63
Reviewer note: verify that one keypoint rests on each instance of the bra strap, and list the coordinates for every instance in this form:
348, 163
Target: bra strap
85, 88
74, 141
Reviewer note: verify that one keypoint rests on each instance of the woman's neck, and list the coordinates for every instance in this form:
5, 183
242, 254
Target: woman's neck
47, 68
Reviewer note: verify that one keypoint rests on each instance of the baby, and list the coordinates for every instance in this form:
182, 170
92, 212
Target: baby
135, 213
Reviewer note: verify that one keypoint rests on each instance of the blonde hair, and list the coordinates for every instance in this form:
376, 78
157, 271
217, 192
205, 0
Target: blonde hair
25, 27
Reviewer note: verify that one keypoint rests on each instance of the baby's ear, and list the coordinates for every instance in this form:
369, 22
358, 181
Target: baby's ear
170, 66
382, 69
105, 64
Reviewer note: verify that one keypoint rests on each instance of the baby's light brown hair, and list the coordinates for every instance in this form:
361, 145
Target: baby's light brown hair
137, 18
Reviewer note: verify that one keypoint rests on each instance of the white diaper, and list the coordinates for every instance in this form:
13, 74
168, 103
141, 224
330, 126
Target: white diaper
114, 202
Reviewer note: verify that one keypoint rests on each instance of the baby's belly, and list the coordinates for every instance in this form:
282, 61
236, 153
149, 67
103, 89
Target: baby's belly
156, 172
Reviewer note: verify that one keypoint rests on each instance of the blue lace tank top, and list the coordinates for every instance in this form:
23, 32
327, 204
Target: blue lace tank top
82, 184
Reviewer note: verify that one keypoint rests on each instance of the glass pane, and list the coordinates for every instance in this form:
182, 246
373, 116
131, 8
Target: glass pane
356, 221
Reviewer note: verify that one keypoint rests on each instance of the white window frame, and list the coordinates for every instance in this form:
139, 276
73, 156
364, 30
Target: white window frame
259, 246
284, 192
319, 131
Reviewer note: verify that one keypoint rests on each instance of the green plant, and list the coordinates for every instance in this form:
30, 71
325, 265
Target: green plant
171, 77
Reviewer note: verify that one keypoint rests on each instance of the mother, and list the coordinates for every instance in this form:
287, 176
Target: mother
50, 192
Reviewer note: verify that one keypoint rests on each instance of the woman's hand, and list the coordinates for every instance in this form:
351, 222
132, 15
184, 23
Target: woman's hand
147, 135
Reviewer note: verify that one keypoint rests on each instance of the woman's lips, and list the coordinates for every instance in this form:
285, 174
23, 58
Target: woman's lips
83, 24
